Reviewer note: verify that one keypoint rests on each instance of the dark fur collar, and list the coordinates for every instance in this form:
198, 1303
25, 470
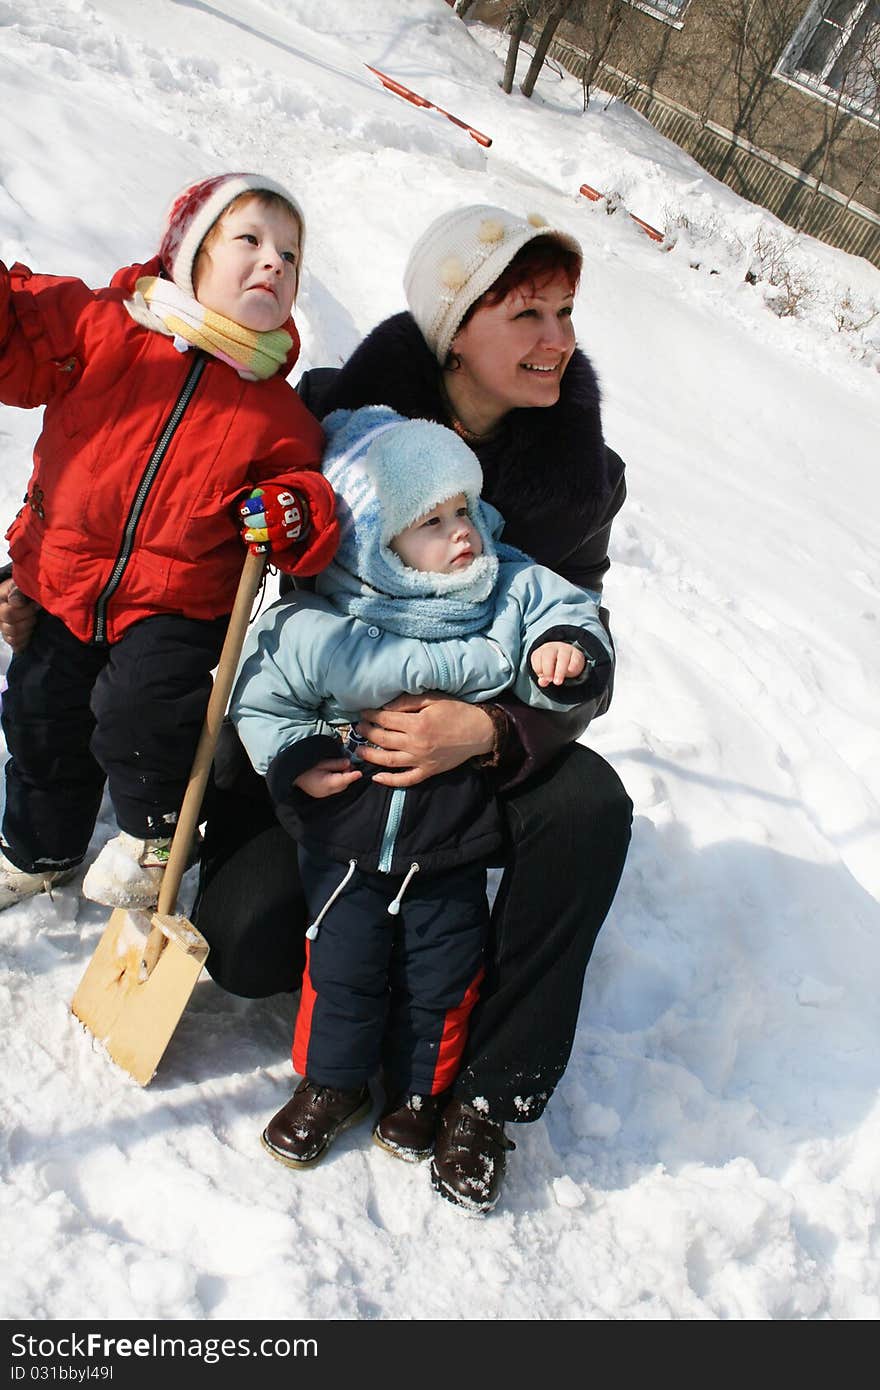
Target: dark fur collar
545, 458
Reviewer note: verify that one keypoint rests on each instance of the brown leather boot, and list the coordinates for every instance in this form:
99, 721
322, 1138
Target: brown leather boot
407, 1127
304, 1128
470, 1157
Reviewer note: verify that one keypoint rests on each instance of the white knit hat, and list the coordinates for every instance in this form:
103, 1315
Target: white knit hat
459, 257
194, 212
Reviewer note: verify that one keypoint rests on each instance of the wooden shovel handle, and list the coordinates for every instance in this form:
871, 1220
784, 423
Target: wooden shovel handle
188, 819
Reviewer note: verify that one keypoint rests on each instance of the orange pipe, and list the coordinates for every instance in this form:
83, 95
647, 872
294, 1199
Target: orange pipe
408, 95
652, 231
595, 196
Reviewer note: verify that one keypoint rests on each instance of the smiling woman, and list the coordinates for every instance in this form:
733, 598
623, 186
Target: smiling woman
512, 351
487, 348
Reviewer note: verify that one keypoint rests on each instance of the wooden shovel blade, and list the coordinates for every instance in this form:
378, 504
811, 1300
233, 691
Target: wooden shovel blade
137, 985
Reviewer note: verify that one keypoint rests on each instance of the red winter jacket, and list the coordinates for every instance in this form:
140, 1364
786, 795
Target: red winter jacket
144, 452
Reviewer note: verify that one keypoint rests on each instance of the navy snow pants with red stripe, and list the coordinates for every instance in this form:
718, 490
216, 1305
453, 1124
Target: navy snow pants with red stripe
388, 991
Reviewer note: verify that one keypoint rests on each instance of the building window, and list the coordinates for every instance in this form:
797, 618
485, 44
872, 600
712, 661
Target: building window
670, 10
836, 54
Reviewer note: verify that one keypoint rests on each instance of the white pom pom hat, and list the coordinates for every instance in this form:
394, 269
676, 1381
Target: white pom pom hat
194, 212
459, 257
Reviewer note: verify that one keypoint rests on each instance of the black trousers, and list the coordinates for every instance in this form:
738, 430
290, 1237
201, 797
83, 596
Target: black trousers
389, 991
77, 713
567, 830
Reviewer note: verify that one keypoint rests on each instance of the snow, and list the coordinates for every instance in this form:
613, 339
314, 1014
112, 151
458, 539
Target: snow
712, 1152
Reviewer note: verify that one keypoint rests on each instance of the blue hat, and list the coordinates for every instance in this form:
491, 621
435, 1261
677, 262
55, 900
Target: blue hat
387, 471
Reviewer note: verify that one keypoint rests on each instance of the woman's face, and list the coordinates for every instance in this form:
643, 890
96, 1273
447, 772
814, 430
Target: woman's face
513, 354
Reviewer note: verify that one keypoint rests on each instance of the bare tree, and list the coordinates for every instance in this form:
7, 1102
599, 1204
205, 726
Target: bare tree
600, 22
854, 79
518, 17
754, 34
867, 174
597, 23
557, 14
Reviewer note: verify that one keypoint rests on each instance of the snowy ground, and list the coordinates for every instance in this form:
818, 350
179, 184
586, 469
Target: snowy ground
714, 1149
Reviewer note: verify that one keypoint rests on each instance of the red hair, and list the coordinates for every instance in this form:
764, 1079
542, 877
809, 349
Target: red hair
533, 265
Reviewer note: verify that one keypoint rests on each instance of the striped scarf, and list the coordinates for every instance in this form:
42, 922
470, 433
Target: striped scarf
159, 305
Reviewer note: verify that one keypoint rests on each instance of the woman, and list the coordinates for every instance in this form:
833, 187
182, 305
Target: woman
487, 347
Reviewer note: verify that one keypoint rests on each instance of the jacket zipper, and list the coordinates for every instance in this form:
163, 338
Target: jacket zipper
445, 679
398, 796
143, 492
389, 834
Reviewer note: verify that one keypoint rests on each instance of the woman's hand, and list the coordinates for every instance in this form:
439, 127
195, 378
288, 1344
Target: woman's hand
327, 778
18, 614
422, 735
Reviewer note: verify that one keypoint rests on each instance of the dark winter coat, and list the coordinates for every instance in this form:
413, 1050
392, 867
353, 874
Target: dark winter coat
114, 530
548, 471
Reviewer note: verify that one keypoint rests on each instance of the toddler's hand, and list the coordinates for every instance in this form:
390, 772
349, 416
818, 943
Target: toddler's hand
274, 519
556, 662
327, 778
18, 614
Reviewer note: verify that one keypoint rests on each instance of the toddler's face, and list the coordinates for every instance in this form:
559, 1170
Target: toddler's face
443, 541
248, 272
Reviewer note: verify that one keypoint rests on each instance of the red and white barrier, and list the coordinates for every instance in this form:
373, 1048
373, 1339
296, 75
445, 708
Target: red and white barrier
399, 90
595, 196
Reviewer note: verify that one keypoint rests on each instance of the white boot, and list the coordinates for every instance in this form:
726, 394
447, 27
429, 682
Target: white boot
16, 885
127, 872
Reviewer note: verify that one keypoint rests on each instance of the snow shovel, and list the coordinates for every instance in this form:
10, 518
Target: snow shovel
146, 964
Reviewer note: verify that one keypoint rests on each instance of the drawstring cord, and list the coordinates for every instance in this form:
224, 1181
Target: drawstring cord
394, 908
316, 925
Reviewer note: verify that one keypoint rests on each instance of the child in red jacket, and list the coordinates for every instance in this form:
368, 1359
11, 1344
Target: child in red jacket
166, 408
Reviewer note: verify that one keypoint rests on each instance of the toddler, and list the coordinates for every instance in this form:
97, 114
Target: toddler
167, 414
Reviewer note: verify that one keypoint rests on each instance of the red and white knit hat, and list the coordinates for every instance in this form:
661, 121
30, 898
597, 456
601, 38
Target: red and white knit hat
459, 257
194, 212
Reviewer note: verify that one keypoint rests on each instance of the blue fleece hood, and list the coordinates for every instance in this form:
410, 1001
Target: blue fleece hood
387, 471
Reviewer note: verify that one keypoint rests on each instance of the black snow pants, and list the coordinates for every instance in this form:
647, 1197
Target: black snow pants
384, 989
77, 713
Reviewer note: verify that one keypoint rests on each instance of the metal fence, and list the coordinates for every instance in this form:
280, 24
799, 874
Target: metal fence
752, 173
